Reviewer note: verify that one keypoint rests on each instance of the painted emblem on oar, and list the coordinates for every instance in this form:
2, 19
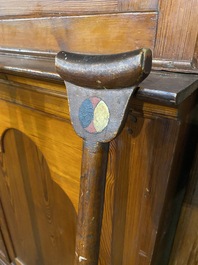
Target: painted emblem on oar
94, 115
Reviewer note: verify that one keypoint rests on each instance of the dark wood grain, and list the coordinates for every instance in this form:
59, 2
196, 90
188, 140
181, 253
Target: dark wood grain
37, 211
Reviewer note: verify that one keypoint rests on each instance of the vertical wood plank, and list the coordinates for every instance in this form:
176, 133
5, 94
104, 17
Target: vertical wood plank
177, 30
185, 247
145, 185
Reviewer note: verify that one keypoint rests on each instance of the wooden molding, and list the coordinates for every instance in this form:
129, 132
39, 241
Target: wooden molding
175, 66
161, 87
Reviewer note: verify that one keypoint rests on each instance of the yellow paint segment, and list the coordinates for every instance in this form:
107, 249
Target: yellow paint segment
101, 116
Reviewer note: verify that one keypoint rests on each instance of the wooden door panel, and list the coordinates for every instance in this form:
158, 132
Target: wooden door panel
39, 215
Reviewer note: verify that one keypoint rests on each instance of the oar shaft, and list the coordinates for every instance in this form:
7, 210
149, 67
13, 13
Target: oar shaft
91, 198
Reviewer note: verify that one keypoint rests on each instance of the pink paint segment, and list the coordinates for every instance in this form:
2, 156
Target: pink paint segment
91, 128
95, 101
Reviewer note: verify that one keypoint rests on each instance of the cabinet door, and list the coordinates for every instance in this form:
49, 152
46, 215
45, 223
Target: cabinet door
39, 216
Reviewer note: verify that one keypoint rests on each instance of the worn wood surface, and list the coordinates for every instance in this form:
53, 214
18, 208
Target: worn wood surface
37, 8
132, 5
85, 34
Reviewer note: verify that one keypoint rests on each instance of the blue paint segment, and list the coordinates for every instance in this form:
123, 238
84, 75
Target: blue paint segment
86, 113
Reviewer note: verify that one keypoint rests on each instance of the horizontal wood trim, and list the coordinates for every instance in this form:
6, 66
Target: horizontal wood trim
160, 87
87, 34
36, 8
51, 99
175, 66
54, 102
168, 88
40, 7
47, 101
132, 5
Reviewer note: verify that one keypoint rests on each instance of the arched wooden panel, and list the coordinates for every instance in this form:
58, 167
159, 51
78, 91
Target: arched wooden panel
40, 217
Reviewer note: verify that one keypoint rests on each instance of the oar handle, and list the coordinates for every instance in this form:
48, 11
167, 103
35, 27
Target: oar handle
105, 71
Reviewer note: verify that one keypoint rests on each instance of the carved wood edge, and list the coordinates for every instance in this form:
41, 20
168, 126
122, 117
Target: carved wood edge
174, 66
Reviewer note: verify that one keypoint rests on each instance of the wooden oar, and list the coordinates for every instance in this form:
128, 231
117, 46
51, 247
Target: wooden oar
99, 88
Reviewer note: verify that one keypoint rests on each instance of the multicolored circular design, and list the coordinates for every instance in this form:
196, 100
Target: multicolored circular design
94, 115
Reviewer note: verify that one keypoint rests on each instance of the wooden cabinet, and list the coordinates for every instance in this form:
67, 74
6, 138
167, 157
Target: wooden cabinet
40, 154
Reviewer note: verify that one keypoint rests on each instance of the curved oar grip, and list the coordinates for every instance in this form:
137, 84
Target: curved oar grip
105, 71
